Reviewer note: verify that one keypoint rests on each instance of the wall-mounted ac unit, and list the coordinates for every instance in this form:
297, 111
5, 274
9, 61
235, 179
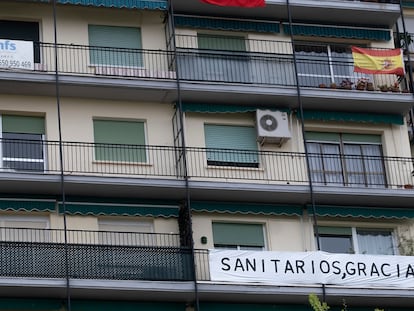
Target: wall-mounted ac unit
272, 126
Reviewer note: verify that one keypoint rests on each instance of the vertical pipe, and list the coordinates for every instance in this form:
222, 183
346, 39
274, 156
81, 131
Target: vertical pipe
299, 98
181, 120
62, 177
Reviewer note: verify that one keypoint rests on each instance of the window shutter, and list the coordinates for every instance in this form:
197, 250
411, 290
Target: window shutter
233, 139
361, 138
23, 124
238, 234
124, 140
321, 136
335, 230
111, 40
220, 42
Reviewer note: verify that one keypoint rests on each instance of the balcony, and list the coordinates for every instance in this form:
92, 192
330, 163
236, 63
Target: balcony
282, 286
103, 255
220, 76
152, 171
385, 12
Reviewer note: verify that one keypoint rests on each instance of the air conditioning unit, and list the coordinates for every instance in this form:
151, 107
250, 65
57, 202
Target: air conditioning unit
272, 127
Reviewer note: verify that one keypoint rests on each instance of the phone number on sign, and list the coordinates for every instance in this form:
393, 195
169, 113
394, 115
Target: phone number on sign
5, 63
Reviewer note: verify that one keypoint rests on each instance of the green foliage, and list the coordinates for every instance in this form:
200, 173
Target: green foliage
316, 303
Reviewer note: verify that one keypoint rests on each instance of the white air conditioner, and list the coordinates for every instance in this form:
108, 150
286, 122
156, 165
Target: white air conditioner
272, 126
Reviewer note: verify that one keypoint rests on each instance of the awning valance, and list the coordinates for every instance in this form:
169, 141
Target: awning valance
114, 209
247, 208
338, 32
120, 4
352, 117
364, 212
222, 108
28, 205
226, 24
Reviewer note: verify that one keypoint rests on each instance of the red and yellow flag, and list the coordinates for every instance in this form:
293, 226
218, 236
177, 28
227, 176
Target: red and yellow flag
240, 3
374, 61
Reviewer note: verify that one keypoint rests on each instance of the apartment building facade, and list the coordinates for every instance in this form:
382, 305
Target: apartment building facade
185, 156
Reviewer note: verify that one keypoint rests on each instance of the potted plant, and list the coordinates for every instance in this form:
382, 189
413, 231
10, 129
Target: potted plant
370, 86
346, 84
395, 88
333, 85
361, 84
383, 88
322, 85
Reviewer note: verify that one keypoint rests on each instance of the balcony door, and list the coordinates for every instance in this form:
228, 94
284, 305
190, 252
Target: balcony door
22, 145
346, 159
324, 63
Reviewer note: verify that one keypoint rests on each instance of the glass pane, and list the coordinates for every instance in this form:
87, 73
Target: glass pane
342, 62
313, 65
336, 244
23, 152
378, 242
16, 145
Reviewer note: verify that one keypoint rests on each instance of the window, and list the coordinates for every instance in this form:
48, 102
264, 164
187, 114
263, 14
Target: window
126, 232
24, 229
238, 236
115, 46
324, 63
119, 141
22, 143
346, 159
356, 240
26, 31
223, 58
229, 145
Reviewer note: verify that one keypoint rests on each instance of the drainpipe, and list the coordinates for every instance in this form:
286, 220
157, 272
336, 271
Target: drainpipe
299, 98
62, 176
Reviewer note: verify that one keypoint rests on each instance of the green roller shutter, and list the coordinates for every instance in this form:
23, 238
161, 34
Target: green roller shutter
220, 42
108, 44
231, 144
335, 230
124, 140
238, 234
361, 138
23, 124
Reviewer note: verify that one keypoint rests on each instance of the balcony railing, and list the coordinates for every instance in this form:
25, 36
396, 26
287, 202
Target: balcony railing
41, 253
263, 63
288, 168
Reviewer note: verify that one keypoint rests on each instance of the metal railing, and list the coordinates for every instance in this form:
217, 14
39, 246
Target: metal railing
93, 255
265, 63
90, 159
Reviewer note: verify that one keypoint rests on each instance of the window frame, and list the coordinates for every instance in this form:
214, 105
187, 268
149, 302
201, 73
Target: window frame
99, 54
18, 141
238, 246
213, 154
100, 147
347, 171
328, 59
353, 235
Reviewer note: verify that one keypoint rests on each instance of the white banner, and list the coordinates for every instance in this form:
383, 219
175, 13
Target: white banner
290, 268
15, 54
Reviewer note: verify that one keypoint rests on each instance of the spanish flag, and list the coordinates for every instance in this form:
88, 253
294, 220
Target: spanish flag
240, 3
375, 61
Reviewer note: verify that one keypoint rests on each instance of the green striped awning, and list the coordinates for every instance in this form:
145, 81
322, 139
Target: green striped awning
364, 212
27, 205
222, 108
226, 24
338, 32
246, 208
114, 209
353, 117
127, 4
